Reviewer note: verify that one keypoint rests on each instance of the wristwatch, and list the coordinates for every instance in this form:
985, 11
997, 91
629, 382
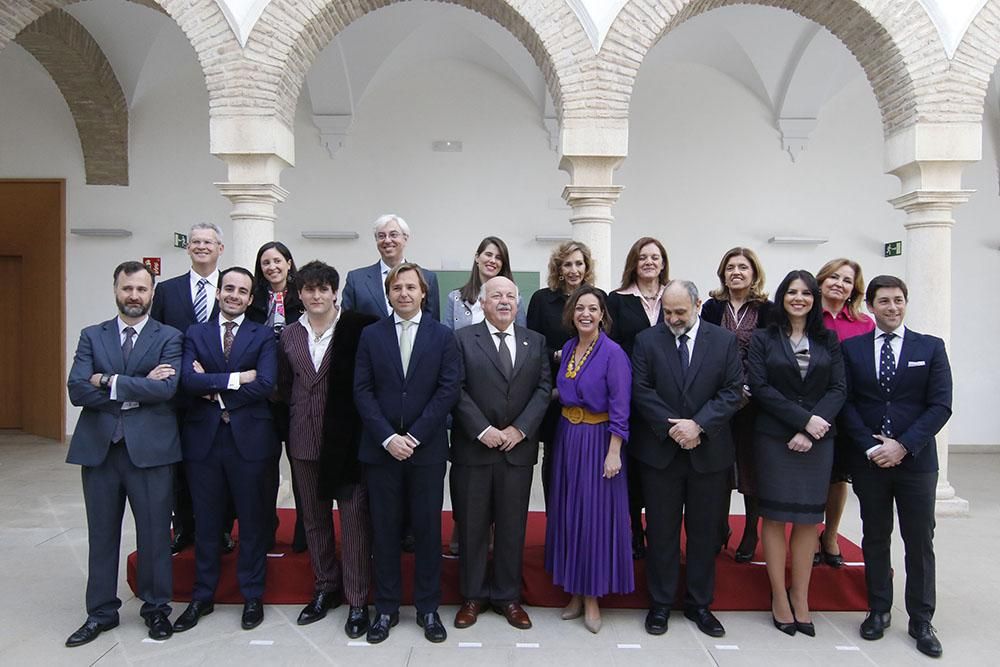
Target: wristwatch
105, 381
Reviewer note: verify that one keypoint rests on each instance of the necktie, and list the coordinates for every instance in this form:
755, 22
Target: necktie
886, 371
405, 344
119, 432
227, 339
506, 363
682, 353
201, 302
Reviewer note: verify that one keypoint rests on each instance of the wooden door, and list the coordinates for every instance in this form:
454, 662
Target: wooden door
10, 341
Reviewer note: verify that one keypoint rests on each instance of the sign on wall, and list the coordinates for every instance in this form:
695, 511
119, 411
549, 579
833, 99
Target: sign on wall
894, 249
180, 240
153, 264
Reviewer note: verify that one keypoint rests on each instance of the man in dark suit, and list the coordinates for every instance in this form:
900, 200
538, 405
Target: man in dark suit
364, 289
180, 302
229, 370
899, 392
407, 380
124, 374
494, 448
686, 386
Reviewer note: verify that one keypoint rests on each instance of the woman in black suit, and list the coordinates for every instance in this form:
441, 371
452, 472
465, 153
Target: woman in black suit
276, 303
633, 308
797, 382
570, 266
740, 305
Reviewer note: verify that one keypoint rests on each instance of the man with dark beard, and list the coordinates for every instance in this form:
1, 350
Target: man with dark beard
124, 373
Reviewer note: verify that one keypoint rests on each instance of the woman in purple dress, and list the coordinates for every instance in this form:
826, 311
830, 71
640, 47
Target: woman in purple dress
587, 543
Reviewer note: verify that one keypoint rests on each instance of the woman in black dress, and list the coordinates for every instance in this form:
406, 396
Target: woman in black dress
797, 380
740, 305
634, 307
570, 266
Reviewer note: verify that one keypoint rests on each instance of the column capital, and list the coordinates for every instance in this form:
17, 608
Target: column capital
930, 208
595, 195
263, 193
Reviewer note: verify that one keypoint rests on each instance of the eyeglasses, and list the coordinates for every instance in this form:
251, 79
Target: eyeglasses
393, 236
198, 242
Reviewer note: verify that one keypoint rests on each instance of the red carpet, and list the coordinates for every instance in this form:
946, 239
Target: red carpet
738, 587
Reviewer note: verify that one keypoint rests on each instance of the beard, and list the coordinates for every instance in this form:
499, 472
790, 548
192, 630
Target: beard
133, 309
681, 330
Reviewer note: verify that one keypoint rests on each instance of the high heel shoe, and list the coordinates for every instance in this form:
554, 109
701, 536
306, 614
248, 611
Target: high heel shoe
807, 629
831, 559
592, 624
572, 611
787, 628
744, 553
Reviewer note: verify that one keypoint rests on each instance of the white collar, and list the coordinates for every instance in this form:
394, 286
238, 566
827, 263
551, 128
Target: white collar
898, 332
415, 319
138, 327
238, 320
493, 330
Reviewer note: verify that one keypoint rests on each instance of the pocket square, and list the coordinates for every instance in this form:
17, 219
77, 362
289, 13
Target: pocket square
911, 364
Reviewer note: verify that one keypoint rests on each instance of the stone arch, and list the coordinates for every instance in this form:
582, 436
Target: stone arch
975, 61
88, 84
290, 34
899, 50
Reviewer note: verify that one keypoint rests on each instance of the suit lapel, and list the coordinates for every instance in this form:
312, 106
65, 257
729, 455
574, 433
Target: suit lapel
244, 333
910, 342
701, 343
376, 287
669, 346
483, 339
521, 356
300, 349
112, 345
142, 343
213, 331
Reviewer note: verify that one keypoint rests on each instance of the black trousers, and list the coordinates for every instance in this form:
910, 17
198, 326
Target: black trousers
395, 489
674, 493
914, 495
105, 489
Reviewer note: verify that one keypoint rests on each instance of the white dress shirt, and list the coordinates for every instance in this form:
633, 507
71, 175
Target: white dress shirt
509, 340
692, 333
127, 405
896, 344
210, 287
318, 347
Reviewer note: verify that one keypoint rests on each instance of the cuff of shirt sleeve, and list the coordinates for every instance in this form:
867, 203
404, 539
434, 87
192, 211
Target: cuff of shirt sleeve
114, 388
234, 381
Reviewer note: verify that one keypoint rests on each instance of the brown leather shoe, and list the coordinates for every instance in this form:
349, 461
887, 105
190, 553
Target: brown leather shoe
468, 613
515, 615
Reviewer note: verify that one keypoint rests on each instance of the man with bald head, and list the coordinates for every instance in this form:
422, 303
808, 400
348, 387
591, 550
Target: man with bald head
494, 448
686, 386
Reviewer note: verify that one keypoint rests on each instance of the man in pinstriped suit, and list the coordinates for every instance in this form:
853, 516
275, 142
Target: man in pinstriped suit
306, 361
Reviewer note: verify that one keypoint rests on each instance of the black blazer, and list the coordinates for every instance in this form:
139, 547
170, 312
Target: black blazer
488, 398
713, 309
710, 396
338, 456
545, 316
628, 319
172, 303
921, 398
257, 311
785, 400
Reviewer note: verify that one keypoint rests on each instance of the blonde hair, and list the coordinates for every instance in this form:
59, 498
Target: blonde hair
559, 255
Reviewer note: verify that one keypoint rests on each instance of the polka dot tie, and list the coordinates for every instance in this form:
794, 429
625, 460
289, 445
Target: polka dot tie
886, 372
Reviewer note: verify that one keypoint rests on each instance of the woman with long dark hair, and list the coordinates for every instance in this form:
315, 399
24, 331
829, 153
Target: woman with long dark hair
492, 259
797, 380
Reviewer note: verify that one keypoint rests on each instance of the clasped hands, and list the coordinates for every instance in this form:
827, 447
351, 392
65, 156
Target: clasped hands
502, 439
888, 454
401, 447
685, 433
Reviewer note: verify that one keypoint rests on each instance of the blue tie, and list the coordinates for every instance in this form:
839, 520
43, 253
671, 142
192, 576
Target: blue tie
886, 372
682, 353
201, 302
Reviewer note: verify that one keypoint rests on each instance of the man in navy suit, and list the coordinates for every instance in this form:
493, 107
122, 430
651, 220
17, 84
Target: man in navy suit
229, 369
124, 374
180, 302
364, 289
406, 380
899, 396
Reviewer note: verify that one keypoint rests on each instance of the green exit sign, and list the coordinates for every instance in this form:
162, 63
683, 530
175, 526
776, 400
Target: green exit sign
894, 249
180, 240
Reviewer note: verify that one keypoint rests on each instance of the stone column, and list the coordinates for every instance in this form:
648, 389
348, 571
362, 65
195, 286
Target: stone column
591, 195
929, 161
255, 150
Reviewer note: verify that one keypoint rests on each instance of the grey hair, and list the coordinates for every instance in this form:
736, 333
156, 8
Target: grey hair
691, 288
384, 220
210, 226
482, 290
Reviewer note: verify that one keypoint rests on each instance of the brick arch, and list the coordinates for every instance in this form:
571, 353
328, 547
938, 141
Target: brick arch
899, 50
88, 84
289, 35
976, 60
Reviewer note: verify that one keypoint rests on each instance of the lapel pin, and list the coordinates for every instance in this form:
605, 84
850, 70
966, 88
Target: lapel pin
524, 343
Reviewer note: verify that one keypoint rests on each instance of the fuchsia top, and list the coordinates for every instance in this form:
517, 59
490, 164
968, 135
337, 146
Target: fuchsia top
847, 326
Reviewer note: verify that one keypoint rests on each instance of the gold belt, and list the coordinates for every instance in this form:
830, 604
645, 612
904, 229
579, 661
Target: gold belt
577, 415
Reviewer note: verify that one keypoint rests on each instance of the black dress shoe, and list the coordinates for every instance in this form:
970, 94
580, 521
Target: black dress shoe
189, 617
875, 624
358, 622
433, 627
656, 620
831, 559
182, 540
927, 641
227, 543
159, 626
705, 620
379, 630
253, 614
89, 631
317, 608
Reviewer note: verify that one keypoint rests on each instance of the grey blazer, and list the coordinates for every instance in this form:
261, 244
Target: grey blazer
458, 315
364, 292
150, 429
488, 398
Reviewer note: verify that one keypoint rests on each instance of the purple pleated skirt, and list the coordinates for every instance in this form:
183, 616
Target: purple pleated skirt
587, 536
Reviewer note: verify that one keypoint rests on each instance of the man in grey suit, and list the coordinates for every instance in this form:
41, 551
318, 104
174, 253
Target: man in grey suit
494, 448
364, 289
124, 374
686, 386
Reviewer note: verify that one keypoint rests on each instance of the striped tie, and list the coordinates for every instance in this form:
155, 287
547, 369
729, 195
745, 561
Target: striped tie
201, 302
